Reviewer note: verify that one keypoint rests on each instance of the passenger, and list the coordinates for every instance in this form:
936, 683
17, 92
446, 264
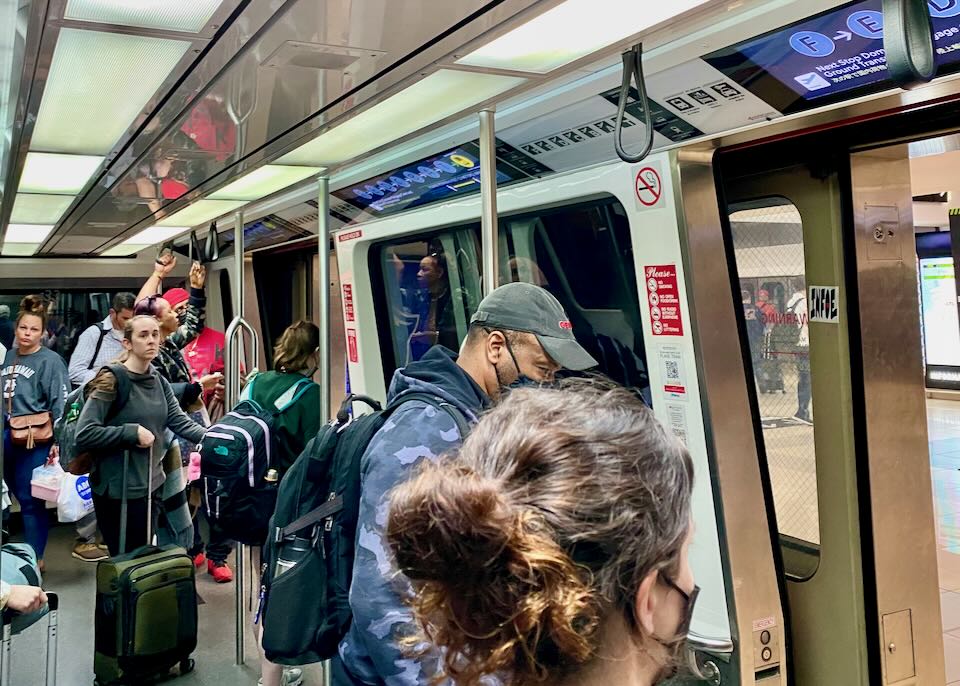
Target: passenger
138, 426
797, 307
6, 327
436, 324
770, 379
21, 598
97, 346
518, 335
554, 548
172, 366
34, 383
295, 359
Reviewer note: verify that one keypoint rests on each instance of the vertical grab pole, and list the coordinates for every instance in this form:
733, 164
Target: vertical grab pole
323, 292
234, 345
323, 315
489, 238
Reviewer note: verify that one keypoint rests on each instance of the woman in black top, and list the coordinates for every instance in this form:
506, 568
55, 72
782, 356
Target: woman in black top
110, 431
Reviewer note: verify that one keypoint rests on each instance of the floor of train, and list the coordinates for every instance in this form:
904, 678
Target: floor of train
214, 657
75, 581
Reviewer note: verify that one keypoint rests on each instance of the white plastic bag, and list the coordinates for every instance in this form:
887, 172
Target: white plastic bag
45, 482
76, 498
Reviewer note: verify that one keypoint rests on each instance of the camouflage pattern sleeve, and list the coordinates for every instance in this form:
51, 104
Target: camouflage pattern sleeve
374, 648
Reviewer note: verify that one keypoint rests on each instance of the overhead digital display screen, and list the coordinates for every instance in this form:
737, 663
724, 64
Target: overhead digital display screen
439, 177
833, 56
938, 300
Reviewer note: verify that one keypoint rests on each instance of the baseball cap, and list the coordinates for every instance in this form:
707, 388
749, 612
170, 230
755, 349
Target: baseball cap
531, 309
175, 296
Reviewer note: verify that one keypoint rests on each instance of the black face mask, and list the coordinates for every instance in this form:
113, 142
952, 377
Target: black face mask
522, 380
676, 647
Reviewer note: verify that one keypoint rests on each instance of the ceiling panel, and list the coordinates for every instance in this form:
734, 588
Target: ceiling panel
273, 90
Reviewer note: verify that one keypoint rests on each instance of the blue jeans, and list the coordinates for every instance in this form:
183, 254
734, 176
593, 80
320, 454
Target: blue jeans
18, 466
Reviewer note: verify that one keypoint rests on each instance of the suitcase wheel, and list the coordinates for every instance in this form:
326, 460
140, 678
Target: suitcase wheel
186, 666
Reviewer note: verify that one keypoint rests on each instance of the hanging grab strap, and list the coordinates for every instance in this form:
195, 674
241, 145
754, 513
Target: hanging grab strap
633, 69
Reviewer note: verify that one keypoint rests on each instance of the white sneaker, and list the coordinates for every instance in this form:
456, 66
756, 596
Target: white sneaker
292, 676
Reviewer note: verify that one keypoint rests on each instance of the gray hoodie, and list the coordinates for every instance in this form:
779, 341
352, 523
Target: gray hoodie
37, 382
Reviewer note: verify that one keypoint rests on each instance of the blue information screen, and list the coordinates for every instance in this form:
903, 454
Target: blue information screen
833, 53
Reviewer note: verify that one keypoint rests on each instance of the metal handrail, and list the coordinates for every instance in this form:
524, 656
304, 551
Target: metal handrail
718, 647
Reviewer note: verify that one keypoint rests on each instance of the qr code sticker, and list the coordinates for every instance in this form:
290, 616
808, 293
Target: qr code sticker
673, 369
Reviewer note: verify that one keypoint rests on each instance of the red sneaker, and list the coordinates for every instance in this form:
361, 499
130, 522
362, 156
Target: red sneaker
220, 572
199, 559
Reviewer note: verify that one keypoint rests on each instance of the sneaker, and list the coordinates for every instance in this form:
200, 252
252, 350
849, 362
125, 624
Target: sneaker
220, 572
802, 420
199, 560
89, 552
292, 676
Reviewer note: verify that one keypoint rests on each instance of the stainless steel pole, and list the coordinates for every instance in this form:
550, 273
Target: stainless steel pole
232, 390
489, 234
323, 291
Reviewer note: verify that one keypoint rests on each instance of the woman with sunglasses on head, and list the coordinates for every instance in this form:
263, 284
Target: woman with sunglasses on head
137, 425
553, 548
34, 381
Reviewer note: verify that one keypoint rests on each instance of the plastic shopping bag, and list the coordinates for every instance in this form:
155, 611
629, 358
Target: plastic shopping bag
76, 499
45, 483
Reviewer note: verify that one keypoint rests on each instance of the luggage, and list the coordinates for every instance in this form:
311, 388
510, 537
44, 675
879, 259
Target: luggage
308, 558
18, 567
235, 455
146, 610
9, 618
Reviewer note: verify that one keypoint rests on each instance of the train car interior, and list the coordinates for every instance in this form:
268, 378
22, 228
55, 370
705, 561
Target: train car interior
776, 278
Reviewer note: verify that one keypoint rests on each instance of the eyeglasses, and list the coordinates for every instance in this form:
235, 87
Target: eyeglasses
690, 600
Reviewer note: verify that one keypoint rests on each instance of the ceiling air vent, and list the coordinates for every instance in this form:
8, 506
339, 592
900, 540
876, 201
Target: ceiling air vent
293, 53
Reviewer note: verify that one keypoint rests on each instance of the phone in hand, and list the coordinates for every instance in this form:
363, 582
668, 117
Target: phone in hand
165, 253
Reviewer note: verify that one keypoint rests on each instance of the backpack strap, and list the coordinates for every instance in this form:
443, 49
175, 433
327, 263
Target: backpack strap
463, 426
103, 334
291, 395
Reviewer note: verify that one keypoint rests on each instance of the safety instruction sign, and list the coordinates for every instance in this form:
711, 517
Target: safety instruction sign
648, 186
663, 298
348, 312
352, 353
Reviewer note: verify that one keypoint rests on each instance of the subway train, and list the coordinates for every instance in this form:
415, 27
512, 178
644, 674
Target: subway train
776, 276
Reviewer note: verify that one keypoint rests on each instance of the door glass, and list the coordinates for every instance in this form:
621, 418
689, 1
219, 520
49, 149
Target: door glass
584, 256
768, 246
432, 287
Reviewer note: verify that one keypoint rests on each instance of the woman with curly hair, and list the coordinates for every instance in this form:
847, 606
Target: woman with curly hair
553, 548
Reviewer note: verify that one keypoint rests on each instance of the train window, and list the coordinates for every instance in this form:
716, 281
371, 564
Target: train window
768, 247
584, 256
432, 287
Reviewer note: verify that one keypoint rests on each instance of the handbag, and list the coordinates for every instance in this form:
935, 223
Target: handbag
29, 429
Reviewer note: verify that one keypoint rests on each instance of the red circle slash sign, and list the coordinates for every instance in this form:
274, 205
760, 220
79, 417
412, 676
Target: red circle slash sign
648, 186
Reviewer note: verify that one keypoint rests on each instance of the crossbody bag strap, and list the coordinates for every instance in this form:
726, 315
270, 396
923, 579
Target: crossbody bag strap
123, 503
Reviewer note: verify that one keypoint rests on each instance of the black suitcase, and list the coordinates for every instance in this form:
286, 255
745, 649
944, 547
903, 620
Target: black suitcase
146, 612
53, 605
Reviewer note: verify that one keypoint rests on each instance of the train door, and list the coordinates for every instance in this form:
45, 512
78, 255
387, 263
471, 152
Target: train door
818, 258
614, 262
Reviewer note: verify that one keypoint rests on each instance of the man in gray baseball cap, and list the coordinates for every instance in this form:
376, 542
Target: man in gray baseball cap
519, 333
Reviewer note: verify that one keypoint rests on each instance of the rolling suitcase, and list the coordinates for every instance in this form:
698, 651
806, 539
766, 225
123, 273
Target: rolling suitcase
53, 605
146, 612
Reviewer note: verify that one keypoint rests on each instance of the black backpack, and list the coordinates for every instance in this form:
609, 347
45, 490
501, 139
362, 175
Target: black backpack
308, 557
235, 455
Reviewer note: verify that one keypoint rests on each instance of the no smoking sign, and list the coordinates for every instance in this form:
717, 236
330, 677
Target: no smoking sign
648, 186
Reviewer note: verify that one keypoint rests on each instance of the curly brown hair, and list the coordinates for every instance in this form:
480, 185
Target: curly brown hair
557, 506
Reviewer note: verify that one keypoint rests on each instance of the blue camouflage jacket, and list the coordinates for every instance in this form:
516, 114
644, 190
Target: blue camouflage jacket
370, 652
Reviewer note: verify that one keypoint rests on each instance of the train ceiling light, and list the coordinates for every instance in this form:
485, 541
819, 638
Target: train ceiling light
200, 212
93, 93
39, 208
264, 181
58, 174
171, 15
571, 30
24, 239
433, 98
